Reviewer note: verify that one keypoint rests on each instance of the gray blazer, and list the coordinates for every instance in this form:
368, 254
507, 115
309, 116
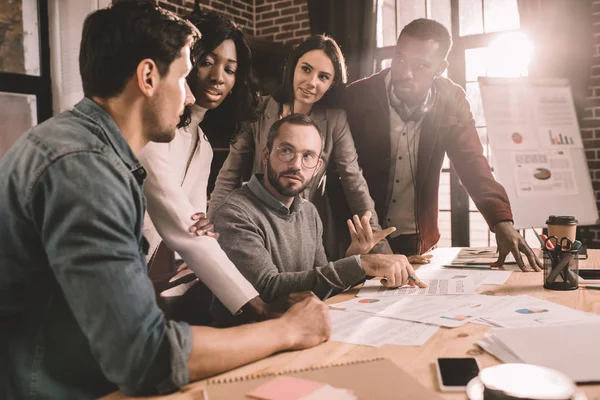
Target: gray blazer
339, 149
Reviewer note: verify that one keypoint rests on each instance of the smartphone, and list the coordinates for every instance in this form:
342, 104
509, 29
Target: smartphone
589, 276
454, 373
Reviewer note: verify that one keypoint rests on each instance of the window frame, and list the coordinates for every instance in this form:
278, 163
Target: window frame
38, 86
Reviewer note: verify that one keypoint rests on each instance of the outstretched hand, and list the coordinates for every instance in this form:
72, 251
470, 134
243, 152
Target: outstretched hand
363, 237
509, 241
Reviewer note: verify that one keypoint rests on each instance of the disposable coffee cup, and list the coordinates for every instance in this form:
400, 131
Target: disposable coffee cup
562, 226
516, 381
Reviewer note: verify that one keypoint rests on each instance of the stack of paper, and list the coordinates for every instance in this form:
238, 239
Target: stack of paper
370, 330
480, 255
572, 348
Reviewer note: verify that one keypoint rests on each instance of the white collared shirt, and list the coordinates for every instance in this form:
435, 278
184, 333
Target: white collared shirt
175, 189
404, 140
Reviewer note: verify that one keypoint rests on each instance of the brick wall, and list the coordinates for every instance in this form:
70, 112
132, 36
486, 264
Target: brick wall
281, 21
590, 123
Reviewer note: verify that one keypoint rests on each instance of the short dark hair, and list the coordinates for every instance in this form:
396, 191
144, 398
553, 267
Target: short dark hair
241, 105
426, 29
116, 39
293, 119
285, 93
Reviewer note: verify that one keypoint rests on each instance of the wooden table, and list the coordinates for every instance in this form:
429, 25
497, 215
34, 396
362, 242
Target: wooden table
418, 361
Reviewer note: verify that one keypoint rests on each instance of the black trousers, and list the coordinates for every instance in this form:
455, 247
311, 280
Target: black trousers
405, 244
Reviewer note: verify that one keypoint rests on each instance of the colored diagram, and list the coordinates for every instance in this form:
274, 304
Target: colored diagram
531, 310
560, 139
542, 174
457, 317
365, 301
517, 138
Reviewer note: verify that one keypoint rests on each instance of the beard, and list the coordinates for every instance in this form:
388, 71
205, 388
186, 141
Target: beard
157, 130
285, 190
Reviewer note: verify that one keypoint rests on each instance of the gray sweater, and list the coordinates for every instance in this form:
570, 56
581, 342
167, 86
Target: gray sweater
280, 250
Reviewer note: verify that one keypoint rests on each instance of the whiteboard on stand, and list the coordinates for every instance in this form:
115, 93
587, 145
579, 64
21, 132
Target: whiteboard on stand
536, 149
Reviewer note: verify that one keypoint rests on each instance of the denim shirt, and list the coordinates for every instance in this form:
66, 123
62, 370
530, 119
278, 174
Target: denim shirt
78, 314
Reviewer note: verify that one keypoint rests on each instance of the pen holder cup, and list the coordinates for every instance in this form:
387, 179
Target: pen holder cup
561, 270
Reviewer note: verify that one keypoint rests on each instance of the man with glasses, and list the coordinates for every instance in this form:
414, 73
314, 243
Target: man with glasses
274, 236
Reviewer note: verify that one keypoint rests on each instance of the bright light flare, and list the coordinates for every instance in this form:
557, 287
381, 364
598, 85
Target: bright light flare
509, 55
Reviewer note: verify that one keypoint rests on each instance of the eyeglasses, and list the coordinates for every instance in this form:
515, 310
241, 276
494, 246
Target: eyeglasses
287, 153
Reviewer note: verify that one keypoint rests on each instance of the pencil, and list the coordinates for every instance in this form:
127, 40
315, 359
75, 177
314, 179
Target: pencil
417, 281
539, 238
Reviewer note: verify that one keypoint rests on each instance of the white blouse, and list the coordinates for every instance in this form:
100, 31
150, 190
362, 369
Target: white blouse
175, 188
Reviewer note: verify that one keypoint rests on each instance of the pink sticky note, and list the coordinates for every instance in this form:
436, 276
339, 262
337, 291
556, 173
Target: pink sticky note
285, 388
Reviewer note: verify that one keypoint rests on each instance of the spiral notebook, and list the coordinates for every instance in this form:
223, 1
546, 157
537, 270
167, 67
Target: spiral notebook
377, 378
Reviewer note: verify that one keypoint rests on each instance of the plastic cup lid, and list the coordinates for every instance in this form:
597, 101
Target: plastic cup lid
528, 381
561, 220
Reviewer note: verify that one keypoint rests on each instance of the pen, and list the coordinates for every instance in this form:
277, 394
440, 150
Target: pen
474, 266
591, 287
328, 294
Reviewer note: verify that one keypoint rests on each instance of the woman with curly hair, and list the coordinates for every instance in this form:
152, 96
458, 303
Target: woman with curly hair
226, 97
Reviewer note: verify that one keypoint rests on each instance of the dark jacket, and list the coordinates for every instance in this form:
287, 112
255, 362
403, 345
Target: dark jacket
448, 128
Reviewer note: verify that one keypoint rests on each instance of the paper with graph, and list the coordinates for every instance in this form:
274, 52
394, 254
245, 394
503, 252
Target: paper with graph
457, 284
447, 311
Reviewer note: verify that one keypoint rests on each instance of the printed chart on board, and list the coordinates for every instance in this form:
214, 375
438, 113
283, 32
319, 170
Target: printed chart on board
536, 150
538, 124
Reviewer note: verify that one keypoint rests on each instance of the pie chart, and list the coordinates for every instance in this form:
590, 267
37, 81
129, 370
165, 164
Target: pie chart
517, 138
542, 174
364, 301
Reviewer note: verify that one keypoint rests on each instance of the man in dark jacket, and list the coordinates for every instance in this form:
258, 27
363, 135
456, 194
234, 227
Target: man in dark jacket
403, 120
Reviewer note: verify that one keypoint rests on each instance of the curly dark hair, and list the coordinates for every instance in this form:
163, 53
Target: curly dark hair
241, 105
116, 39
285, 92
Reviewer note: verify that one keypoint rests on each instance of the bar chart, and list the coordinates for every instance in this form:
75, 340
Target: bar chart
560, 138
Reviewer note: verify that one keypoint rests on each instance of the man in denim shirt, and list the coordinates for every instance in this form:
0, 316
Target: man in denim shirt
78, 314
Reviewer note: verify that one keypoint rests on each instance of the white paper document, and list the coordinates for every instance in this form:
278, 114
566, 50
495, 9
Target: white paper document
444, 256
371, 330
527, 311
480, 277
447, 311
435, 286
544, 173
572, 349
556, 118
508, 115
523, 116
